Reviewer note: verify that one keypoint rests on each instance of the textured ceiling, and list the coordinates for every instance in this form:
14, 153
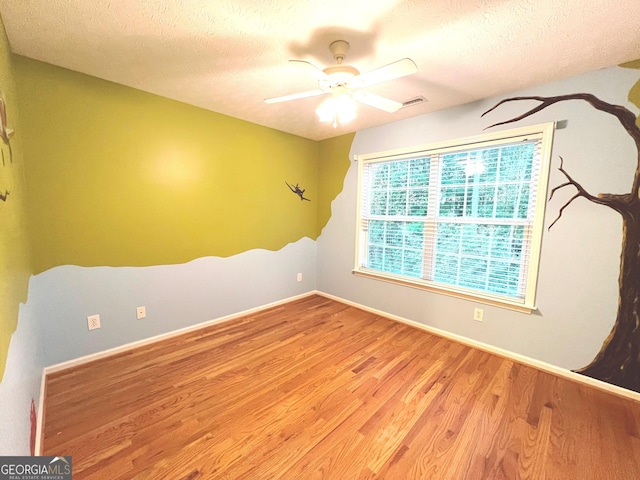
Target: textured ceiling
228, 55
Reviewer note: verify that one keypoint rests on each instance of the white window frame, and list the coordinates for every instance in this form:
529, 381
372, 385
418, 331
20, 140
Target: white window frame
543, 131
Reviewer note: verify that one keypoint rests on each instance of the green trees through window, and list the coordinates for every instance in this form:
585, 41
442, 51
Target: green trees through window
460, 218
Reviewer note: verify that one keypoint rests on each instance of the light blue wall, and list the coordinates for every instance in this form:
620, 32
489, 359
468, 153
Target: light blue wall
20, 385
175, 296
577, 291
52, 325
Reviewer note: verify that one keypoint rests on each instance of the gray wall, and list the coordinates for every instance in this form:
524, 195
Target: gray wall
577, 285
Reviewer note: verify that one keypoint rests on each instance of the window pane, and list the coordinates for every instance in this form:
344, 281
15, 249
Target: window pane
413, 263
489, 160
475, 167
523, 203
394, 234
398, 202
474, 272
418, 202
380, 175
419, 170
517, 240
502, 241
480, 201
396, 247
379, 203
393, 260
466, 252
507, 199
448, 238
475, 240
375, 257
504, 278
452, 168
446, 269
376, 231
515, 164
452, 202
398, 173
414, 235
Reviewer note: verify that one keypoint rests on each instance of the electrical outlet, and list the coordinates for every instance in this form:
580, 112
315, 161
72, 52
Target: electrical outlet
299, 277
141, 312
478, 314
93, 322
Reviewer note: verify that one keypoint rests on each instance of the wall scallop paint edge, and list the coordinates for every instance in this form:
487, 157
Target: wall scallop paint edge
52, 325
175, 296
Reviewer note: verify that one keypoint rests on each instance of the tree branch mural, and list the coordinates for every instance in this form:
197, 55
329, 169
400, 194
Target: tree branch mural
618, 361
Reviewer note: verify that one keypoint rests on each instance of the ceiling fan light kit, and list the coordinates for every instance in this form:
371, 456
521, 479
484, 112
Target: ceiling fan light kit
338, 108
345, 83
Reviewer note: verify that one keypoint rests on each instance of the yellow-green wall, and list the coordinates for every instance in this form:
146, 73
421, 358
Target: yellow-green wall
14, 255
109, 175
117, 176
634, 93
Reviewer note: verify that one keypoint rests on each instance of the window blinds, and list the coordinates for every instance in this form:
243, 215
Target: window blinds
463, 218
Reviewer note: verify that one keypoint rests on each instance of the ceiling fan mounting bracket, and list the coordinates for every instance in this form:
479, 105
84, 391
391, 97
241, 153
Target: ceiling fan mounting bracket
340, 75
339, 49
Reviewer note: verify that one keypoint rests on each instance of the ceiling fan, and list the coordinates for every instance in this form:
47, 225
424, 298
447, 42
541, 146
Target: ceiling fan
345, 83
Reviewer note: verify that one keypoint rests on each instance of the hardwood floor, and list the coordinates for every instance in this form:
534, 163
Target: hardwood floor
316, 389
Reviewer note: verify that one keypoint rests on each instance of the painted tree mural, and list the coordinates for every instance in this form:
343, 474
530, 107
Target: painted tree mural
618, 361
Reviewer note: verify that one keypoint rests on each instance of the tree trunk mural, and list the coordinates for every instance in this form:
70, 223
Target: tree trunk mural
618, 361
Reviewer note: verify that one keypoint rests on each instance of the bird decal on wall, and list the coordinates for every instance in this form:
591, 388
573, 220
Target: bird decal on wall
298, 191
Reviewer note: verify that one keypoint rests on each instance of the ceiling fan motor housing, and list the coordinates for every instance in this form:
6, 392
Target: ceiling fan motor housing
340, 75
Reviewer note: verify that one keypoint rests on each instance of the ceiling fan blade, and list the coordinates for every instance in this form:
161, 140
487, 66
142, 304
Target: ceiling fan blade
294, 96
398, 69
310, 68
377, 101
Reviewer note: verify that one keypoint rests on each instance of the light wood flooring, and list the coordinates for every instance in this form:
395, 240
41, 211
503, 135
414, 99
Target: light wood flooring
316, 389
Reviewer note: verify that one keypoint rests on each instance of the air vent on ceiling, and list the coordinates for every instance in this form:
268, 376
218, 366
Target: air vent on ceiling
413, 101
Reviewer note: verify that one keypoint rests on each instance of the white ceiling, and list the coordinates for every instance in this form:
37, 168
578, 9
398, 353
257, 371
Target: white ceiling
228, 55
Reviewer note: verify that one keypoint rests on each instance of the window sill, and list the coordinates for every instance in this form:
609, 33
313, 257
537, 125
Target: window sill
496, 302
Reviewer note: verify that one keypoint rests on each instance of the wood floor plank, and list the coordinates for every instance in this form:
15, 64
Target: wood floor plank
316, 389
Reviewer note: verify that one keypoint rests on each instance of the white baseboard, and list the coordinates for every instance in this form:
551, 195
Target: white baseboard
140, 343
546, 367
40, 417
532, 362
163, 336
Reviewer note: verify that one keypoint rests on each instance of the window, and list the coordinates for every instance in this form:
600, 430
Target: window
464, 217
